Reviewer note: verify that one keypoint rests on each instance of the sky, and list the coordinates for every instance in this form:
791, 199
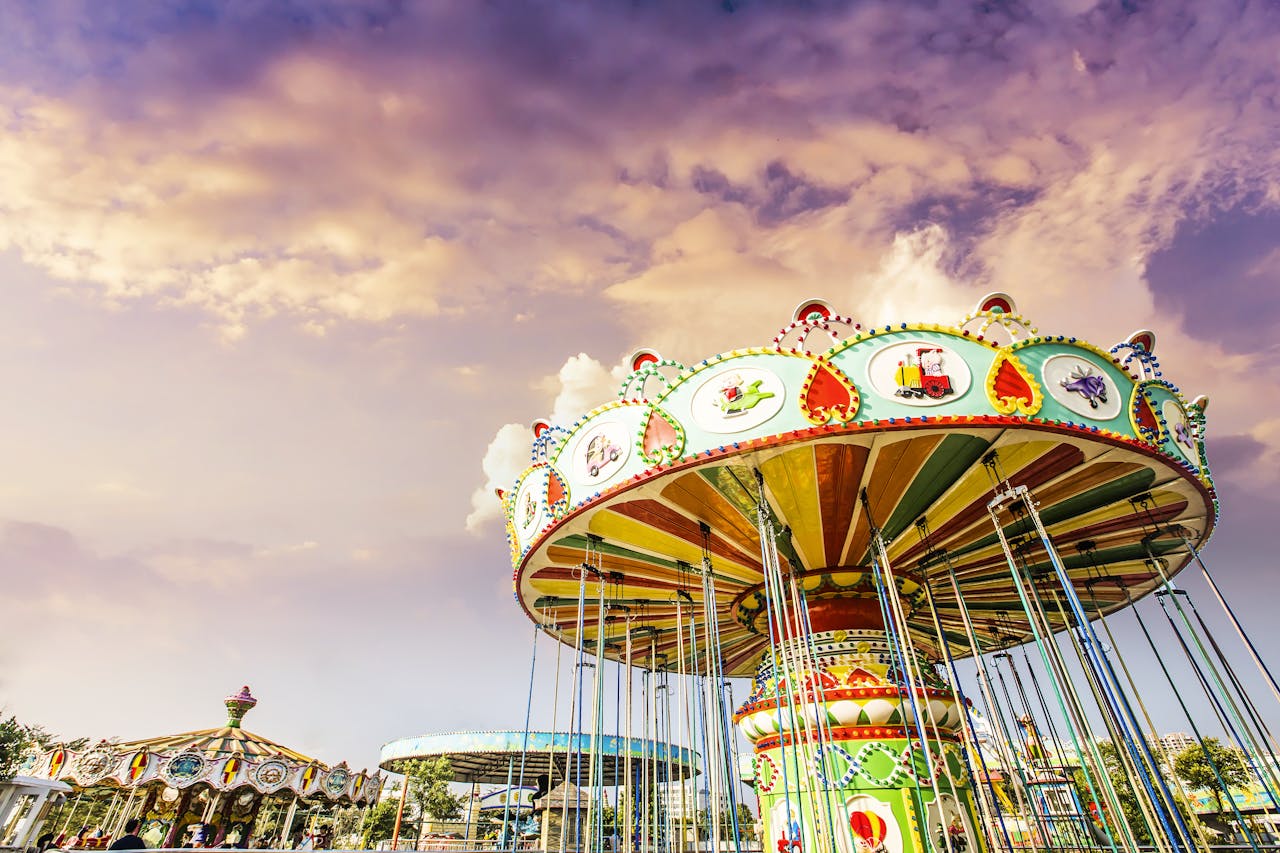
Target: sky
284, 282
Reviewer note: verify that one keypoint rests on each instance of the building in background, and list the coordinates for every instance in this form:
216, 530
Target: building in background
1176, 742
681, 799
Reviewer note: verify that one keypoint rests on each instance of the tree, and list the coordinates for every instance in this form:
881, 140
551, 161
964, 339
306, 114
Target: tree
346, 826
1124, 788
746, 822
428, 780
15, 740
609, 819
379, 823
1195, 765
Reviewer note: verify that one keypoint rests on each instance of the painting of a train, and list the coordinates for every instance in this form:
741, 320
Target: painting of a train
923, 375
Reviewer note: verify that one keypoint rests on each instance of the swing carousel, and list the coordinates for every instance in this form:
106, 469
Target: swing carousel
843, 515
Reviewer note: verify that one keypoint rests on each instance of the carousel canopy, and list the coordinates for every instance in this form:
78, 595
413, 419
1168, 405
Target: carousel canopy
229, 739
518, 756
224, 758
219, 743
836, 431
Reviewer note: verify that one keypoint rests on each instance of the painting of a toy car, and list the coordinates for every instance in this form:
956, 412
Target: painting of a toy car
600, 452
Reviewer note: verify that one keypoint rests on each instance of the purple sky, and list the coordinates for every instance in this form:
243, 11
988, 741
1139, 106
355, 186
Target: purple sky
282, 279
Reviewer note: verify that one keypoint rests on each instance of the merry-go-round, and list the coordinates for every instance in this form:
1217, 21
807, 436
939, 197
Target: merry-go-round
910, 538
211, 787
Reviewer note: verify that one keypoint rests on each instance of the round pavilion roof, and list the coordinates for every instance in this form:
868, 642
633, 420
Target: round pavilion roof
488, 757
221, 742
227, 740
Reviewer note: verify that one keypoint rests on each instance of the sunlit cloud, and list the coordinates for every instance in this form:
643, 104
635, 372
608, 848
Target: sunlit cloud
339, 179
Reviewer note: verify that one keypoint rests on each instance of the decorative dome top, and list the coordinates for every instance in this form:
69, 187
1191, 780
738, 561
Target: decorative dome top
239, 704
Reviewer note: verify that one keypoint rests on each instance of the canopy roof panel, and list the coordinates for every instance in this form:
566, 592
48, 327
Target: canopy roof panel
219, 743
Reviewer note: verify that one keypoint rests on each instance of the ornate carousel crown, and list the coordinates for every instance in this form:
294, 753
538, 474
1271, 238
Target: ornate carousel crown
824, 373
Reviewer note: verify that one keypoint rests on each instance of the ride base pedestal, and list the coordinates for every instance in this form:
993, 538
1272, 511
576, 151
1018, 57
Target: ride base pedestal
839, 758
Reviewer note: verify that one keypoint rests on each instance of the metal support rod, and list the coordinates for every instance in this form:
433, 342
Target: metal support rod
1231, 615
1185, 712
773, 600
1002, 740
1154, 783
1223, 700
986, 806
1068, 702
898, 629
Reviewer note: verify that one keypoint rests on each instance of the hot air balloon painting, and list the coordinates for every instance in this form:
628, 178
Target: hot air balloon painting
869, 829
872, 826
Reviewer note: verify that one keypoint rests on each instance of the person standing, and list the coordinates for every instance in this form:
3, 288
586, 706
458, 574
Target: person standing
130, 839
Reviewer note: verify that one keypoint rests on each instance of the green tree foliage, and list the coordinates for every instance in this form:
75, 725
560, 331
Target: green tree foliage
609, 819
15, 740
1124, 788
379, 823
428, 780
1195, 765
346, 825
746, 822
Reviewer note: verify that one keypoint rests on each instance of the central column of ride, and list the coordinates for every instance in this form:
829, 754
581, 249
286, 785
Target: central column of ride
847, 757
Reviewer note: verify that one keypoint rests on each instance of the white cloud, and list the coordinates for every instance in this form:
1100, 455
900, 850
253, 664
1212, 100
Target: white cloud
1261, 475
580, 385
349, 185
504, 459
339, 184
911, 283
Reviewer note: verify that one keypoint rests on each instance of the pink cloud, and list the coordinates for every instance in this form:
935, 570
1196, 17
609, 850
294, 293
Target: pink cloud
342, 171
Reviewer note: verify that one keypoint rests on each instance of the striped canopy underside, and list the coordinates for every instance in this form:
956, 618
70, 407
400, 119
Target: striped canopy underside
219, 743
1083, 490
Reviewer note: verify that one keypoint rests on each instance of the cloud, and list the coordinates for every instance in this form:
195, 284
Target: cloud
912, 282
580, 385
1235, 455
452, 197
1211, 270
37, 557
329, 162
506, 456
1251, 459
367, 161
283, 619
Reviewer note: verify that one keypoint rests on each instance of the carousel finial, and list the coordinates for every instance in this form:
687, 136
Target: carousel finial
239, 704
